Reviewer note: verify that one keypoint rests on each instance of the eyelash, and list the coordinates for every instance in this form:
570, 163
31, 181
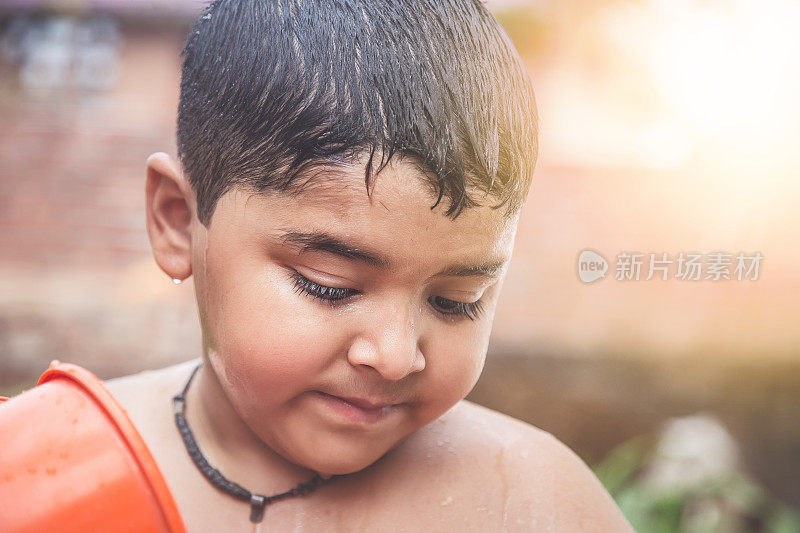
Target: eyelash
331, 295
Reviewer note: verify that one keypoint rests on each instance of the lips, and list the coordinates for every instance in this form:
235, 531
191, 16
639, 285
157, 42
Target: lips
358, 410
363, 403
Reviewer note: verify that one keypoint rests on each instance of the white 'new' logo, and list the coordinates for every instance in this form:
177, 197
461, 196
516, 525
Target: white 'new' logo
591, 266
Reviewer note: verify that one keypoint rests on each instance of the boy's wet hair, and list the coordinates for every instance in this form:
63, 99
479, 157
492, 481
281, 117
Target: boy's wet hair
273, 89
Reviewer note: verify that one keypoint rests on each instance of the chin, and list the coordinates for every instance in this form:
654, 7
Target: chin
338, 461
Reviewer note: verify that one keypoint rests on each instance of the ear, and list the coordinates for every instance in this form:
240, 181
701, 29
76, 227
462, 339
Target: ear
170, 202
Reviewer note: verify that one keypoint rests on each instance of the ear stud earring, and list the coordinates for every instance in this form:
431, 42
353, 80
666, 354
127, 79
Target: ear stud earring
176, 281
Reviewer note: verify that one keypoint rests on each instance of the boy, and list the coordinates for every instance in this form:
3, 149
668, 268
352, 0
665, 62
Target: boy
346, 201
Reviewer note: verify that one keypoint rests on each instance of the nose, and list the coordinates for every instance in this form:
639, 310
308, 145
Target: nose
389, 344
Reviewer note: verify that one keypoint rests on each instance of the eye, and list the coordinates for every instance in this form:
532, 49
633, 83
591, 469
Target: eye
330, 294
452, 308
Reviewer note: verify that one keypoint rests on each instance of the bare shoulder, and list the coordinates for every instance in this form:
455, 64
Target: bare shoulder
152, 381
523, 475
148, 393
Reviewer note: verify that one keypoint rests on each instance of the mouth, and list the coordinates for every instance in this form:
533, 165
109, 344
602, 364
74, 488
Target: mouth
358, 410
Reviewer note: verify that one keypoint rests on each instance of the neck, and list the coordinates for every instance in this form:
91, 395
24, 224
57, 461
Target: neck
231, 446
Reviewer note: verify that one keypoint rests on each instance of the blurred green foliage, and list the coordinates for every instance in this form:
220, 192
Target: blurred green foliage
730, 502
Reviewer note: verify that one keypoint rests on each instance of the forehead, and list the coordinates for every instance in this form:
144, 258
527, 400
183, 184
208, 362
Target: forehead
395, 220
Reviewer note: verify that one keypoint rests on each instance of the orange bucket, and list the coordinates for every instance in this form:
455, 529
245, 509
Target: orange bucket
71, 460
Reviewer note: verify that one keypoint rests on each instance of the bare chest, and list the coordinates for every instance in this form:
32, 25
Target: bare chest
398, 511
431, 496
435, 495
423, 487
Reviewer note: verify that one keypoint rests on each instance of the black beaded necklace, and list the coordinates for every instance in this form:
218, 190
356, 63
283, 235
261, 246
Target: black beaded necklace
257, 501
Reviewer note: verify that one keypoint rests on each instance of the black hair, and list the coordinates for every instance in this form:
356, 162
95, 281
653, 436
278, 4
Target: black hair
272, 89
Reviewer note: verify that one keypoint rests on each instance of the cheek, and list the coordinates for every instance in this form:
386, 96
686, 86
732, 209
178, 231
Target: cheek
454, 363
267, 338
465, 354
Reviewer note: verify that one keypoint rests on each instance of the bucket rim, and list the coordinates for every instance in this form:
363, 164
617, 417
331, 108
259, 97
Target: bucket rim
94, 388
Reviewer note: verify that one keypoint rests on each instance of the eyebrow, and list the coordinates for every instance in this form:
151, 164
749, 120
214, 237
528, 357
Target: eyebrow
320, 241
